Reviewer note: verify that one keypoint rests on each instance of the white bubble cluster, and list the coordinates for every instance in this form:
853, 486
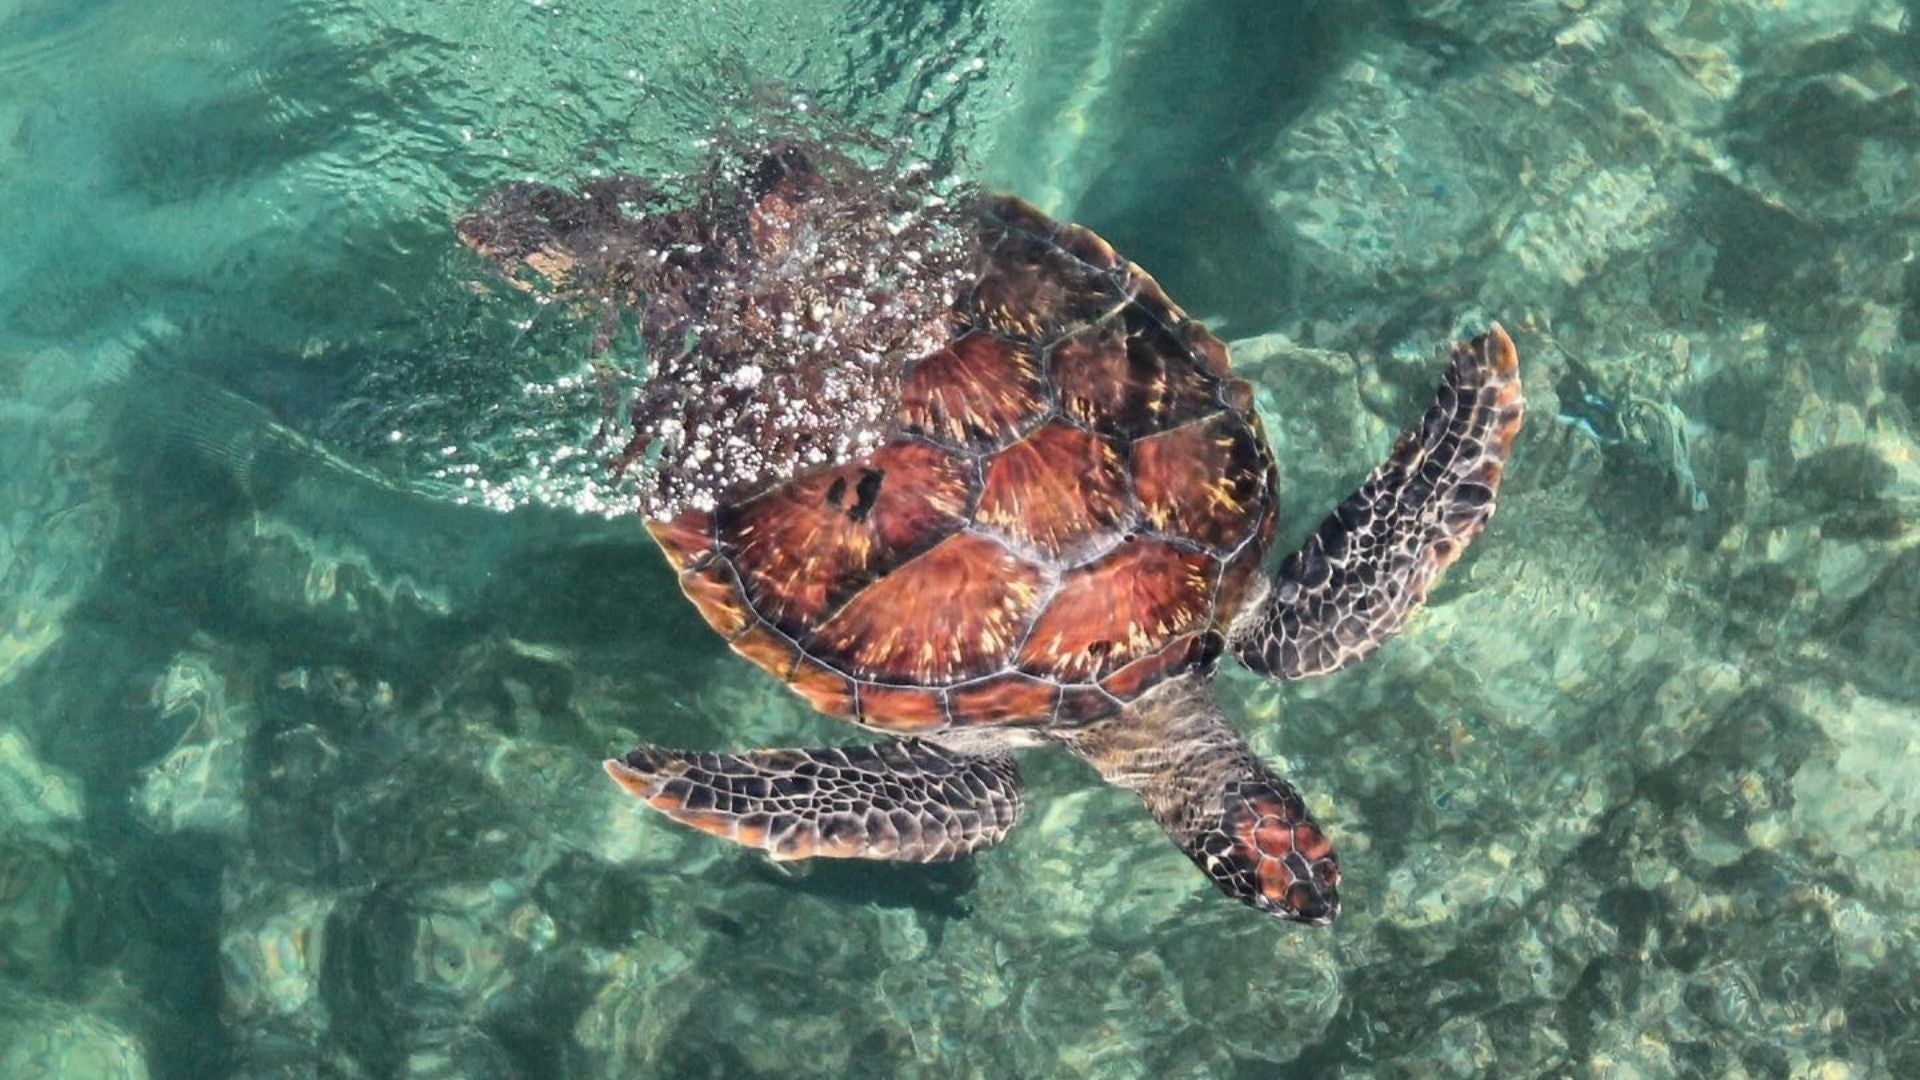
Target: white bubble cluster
779, 304
798, 340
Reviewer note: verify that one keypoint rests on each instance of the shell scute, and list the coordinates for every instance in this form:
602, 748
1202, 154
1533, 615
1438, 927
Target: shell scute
1205, 479
824, 688
1124, 605
1084, 704
951, 612
1244, 567
1056, 491
1150, 299
686, 540
902, 709
1086, 245
981, 390
1005, 699
806, 546
1030, 286
1010, 214
716, 593
1137, 677
915, 494
1238, 394
769, 650
1211, 351
1130, 382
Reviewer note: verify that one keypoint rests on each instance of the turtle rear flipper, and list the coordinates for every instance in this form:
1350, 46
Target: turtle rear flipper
1370, 563
905, 800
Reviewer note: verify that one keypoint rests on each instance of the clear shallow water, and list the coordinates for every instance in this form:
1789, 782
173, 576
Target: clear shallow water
299, 740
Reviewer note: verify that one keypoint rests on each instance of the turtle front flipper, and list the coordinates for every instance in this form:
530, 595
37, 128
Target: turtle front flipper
906, 800
1370, 563
1243, 825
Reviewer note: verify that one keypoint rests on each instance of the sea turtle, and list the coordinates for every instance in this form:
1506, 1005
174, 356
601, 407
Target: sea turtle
964, 476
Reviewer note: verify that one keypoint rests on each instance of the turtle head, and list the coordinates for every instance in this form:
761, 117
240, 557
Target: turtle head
1264, 850
524, 224
563, 238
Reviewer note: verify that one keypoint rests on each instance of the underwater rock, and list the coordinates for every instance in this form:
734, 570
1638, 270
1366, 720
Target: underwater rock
50, 1039
1423, 198
1607, 212
199, 783
1513, 33
1876, 629
1855, 797
60, 510
290, 567
34, 797
1321, 414
1427, 171
271, 956
470, 939
39, 898
645, 992
40, 858
459, 1052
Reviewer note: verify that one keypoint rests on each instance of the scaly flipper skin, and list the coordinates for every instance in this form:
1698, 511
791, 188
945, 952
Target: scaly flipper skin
1370, 563
905, 800
1238, 821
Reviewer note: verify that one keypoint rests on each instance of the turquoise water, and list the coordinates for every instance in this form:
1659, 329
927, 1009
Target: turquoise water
314, 624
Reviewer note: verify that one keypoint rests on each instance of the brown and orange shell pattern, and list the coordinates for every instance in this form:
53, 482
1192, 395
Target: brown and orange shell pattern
1073, 502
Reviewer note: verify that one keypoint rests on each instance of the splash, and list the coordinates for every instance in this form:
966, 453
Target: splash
778, 294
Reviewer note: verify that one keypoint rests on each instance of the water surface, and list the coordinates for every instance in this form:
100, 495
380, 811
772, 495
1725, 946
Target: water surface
314, 627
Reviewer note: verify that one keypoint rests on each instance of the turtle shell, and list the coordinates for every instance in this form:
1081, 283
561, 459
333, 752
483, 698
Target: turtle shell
1073, 501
